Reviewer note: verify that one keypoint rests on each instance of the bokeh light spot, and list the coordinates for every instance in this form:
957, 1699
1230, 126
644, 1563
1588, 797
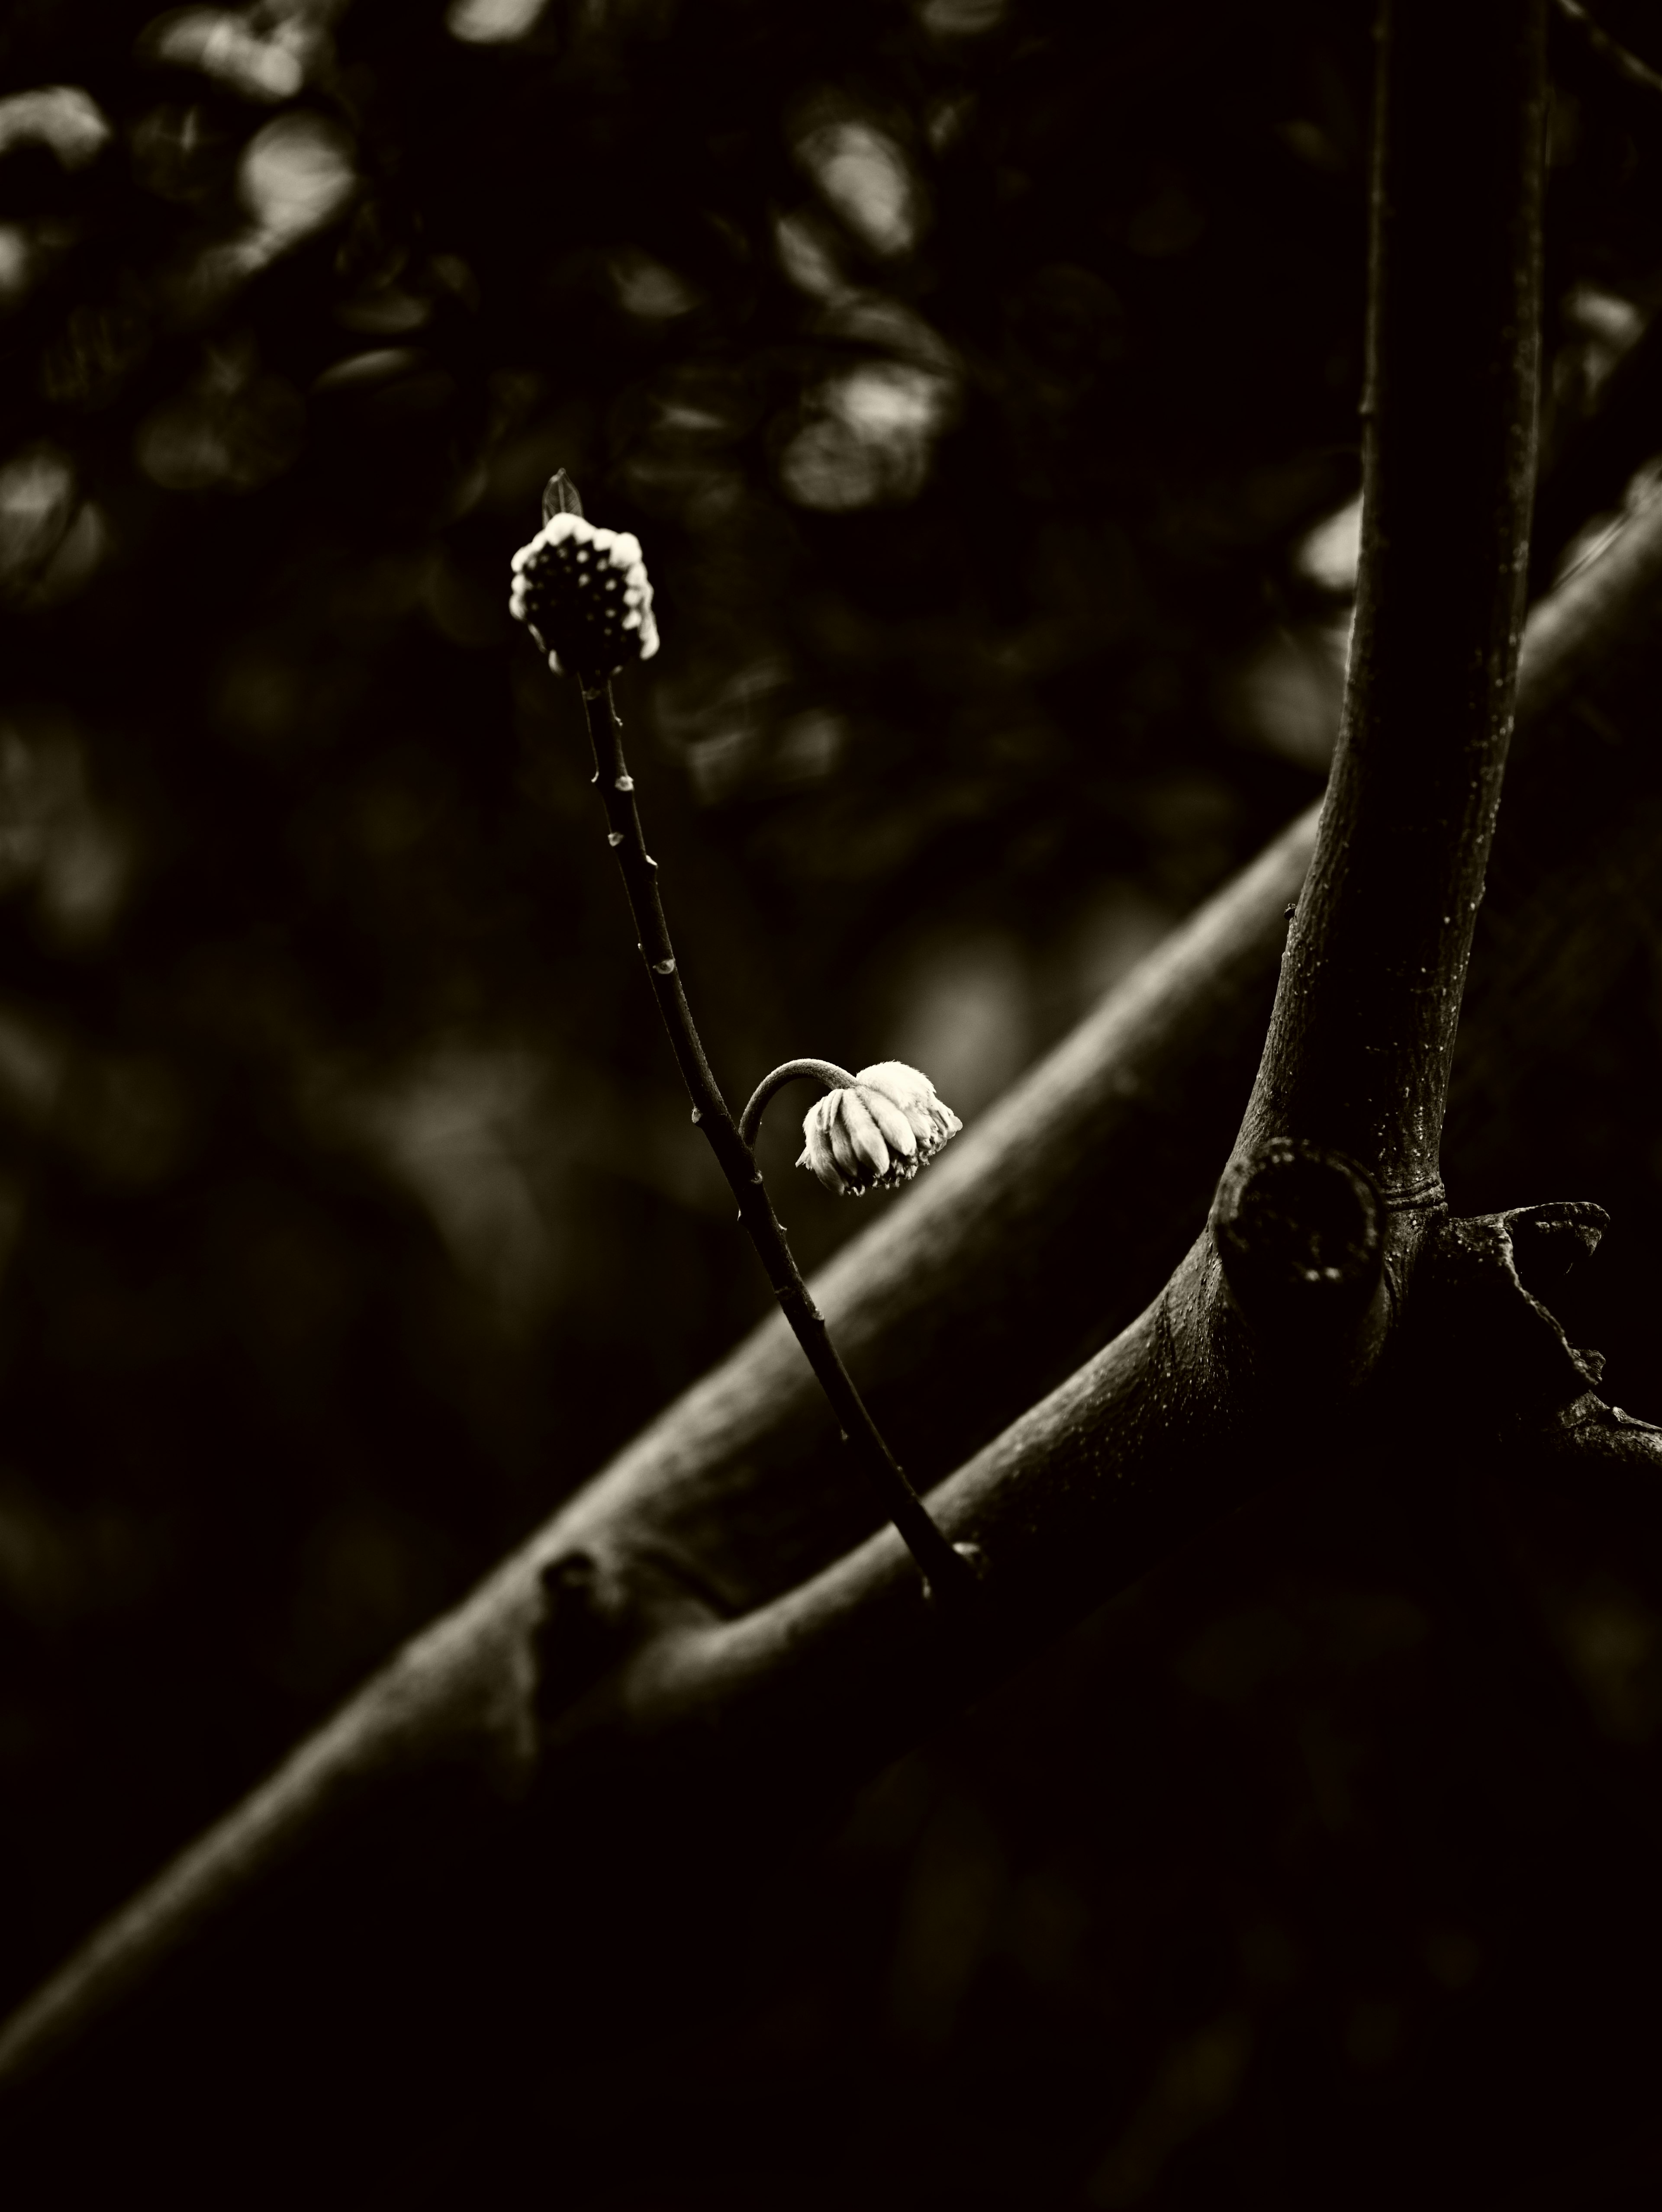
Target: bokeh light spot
960, 19
54, 838
805, 257
864, 177
645, 288
378, 366
37, 495
1288, 695
79, 554
871, 439
60, 116
270, 62
492, 22
295, 175
1329, 554
17, 264
966, 1012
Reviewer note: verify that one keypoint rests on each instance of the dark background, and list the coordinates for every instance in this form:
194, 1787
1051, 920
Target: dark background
975, 376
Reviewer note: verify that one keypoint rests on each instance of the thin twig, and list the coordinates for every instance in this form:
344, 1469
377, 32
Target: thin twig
946, 1571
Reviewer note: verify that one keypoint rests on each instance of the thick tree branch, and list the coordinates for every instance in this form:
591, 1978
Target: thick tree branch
1361, 1040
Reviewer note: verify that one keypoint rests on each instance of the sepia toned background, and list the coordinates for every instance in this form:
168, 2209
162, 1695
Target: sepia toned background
982, 381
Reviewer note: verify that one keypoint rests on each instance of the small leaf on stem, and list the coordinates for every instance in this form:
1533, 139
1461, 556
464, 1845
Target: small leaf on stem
560, 496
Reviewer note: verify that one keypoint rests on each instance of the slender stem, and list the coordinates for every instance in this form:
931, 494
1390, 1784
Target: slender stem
947, 1573
1358, 1055
822, 1070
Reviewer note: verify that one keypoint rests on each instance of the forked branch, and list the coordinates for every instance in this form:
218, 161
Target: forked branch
1336, 1171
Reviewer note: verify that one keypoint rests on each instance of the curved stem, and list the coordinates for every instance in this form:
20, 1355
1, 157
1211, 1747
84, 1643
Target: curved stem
823, 1071
945, 1570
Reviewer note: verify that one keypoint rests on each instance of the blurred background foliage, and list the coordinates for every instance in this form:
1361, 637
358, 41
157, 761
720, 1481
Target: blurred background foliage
981, 377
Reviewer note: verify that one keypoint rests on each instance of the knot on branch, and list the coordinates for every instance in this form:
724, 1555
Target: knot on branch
596, 1610
1298, 1232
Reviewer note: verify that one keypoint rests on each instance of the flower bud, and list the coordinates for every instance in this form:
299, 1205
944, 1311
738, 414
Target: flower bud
584, 596
877, 1132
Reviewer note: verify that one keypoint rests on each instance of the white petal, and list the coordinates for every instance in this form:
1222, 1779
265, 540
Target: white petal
897, 1129
864, 1134
911, 1091
843, 1145
817, 1151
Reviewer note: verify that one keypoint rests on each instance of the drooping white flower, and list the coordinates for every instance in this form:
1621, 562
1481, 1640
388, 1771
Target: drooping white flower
877, 1132
584, 595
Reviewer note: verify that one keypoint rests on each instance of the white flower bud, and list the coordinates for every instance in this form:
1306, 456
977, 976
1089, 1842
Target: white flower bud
877, 1132
584, 596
